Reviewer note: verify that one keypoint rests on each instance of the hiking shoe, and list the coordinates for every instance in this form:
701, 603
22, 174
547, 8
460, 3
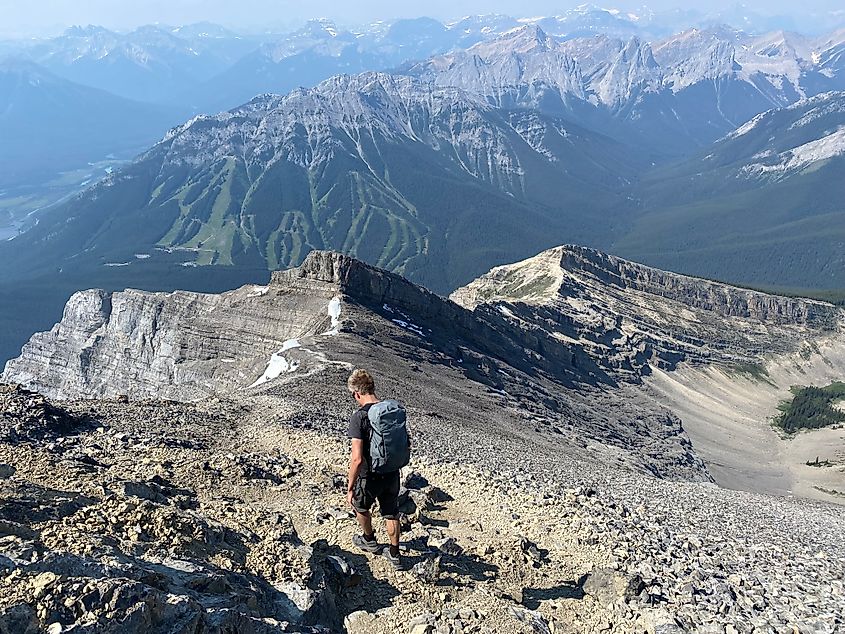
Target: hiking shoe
365, 545
396, 561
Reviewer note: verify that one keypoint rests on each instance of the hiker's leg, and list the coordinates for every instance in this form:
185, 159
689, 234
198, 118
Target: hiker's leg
389, 505
362, 502
393, 531
365, 521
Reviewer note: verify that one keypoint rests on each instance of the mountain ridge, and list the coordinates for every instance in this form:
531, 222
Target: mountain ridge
208, 192
580, 343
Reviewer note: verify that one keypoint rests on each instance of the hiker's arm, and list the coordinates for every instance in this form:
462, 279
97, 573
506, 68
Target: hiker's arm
355, 461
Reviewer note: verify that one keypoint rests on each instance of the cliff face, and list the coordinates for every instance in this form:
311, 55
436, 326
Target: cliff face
176, 345
713, 297
185, 345
575, 315
626, 316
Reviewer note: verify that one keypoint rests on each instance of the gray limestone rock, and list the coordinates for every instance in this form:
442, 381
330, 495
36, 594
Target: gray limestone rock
609, 586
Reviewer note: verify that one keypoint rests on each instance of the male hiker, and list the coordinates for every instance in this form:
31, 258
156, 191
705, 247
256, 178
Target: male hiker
380, 447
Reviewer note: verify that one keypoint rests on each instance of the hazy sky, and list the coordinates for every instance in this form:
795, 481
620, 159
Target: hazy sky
32, 17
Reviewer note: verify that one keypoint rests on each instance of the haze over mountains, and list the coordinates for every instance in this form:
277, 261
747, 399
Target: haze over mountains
48, 123
476, 212
590, 127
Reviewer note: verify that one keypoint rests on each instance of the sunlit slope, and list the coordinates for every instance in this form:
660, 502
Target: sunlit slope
426, 181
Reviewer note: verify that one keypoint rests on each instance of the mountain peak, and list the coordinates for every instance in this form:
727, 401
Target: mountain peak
86, 31
524, 39
552, 275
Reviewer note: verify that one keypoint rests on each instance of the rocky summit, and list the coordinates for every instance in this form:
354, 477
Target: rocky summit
175, 462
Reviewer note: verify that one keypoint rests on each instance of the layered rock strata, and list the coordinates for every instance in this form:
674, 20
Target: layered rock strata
627, 316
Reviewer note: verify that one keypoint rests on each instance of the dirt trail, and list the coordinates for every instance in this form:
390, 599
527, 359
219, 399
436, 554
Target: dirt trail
491, 524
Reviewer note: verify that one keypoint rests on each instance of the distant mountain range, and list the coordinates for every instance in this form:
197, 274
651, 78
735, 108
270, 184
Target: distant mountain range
711, 152
673, 95
210, 68
48, 123
522, 136
151, 63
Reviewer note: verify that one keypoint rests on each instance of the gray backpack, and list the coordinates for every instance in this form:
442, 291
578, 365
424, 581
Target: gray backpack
390, 448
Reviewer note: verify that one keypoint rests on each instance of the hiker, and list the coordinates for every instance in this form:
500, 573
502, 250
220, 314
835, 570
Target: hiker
380, 447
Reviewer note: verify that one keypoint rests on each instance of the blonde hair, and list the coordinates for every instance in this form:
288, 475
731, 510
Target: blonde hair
361, 381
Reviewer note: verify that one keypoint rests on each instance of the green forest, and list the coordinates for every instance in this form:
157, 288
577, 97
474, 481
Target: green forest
812, 408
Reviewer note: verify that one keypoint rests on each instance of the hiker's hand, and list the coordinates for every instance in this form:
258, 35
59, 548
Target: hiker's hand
349, 495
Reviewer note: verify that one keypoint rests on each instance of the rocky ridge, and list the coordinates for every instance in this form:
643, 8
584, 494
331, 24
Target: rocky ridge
545, 497
602, 80
627, 315
323, 316
576, 314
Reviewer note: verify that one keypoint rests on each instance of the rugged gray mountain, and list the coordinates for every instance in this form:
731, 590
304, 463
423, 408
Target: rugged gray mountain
210, 68
687, 90
171, 345
635, 317
568, 325
239, 489
383, 167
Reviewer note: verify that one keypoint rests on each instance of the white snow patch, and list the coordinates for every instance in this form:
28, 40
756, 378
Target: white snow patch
405, 321
407, 325
116, 264
278, 364
800, 157
506, 312
334, 313
816, 56
258, 291
745, 128
142, 256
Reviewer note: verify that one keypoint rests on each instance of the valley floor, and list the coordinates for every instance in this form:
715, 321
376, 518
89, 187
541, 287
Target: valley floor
728, 414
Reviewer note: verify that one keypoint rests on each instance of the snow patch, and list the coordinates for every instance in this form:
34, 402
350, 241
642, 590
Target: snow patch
142, 256
258, 291
747, 127
403, 321
116, 264
334, 312
827, 147
278, 365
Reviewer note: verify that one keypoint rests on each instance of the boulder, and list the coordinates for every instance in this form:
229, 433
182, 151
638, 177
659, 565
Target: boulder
608, 586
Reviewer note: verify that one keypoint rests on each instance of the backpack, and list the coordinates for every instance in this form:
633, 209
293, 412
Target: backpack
390, 448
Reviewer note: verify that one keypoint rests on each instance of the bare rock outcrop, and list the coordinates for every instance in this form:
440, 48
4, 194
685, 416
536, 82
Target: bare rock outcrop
177, 345
187, 345
627, 316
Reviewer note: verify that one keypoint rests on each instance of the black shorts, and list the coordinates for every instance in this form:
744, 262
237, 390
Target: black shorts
383, 487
